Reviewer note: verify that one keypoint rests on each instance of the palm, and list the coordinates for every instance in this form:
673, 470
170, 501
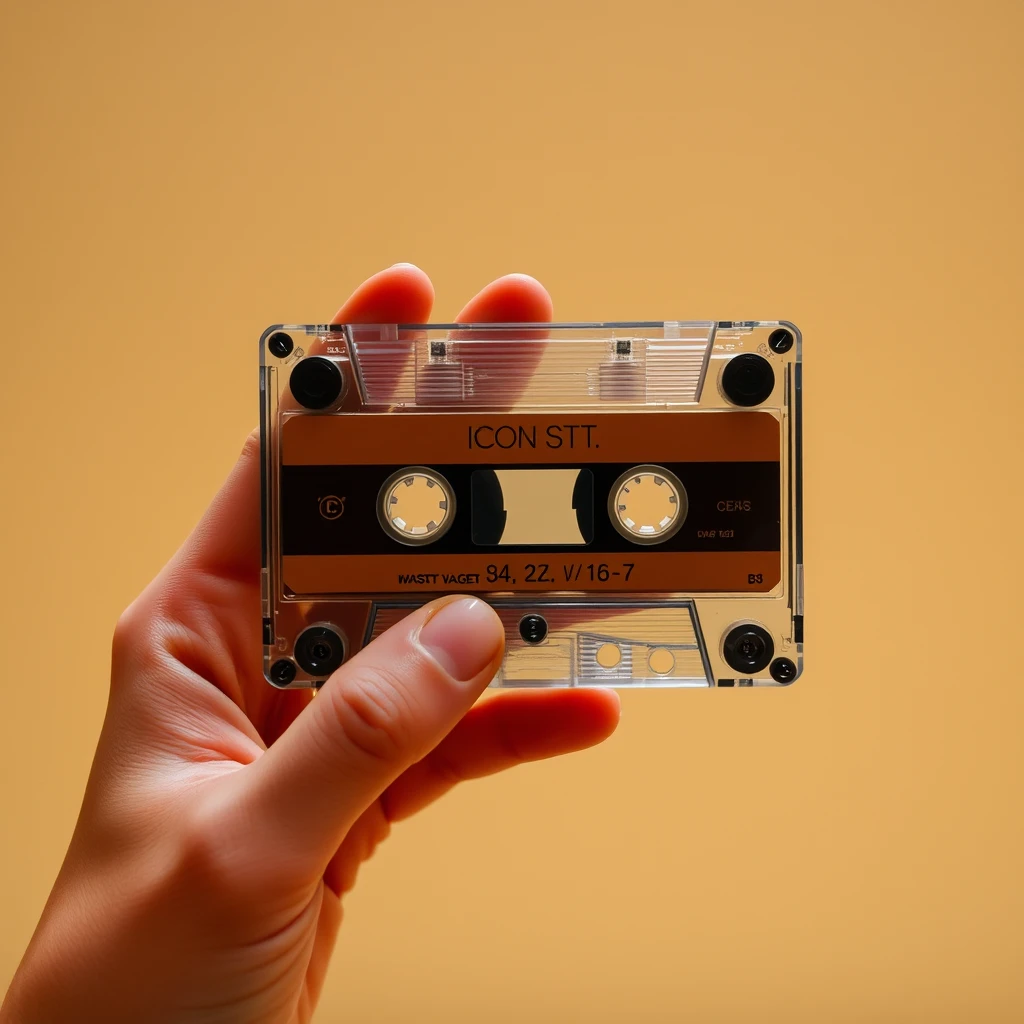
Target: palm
226, 735
207, 708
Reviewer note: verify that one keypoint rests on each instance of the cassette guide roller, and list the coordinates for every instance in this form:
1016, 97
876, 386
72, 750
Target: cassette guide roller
627, 496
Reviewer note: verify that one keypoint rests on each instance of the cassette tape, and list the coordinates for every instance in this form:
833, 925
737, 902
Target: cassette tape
626, 496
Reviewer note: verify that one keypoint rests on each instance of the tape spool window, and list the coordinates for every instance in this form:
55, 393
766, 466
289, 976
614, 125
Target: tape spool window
416, 505
532, 506
647, 505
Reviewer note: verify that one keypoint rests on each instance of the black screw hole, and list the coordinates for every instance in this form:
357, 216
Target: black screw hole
281, 344
782, 670
533, 628
282, 672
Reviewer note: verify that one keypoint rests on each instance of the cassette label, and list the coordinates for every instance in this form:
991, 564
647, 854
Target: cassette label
416, 439
704, 572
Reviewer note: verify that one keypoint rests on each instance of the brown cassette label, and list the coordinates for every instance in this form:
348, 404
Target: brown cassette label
402, 438
754, 572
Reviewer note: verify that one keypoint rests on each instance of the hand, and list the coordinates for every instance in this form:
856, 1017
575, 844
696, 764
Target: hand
223, 820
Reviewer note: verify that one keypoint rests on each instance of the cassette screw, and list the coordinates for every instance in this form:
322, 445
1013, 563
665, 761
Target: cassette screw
782, 670
282, 672
780, 340
280, 344
533, 628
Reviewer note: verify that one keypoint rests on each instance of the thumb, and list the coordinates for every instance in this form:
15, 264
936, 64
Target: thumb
381, 712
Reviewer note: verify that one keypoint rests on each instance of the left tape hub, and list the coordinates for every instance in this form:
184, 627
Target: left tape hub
320, 649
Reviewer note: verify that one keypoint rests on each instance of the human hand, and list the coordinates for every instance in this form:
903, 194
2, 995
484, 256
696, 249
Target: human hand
223, 819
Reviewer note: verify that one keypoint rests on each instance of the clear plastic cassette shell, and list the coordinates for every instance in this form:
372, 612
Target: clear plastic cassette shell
627, 496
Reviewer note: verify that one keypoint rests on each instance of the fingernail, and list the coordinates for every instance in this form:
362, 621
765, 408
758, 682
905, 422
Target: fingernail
462, 637
413, 265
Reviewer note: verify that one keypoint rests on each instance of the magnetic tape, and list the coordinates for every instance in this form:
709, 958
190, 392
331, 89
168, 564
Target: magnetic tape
627, 496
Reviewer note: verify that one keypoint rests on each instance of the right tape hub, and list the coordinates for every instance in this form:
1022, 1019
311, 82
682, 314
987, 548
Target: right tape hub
748, 648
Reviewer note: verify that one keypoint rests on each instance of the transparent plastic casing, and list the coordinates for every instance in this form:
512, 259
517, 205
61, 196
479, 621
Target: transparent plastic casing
445, 410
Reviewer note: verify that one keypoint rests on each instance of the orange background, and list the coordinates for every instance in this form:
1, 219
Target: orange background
178, 176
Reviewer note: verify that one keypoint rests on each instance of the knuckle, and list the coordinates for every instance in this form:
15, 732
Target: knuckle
446, 771
127, 631
142, 642
378, 828
509, 744
381, 829
133, 644
205, 860
373, 828
373, 716
216, 862
251, 447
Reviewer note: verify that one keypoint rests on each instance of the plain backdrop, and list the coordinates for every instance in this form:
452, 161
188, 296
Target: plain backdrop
176, 176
